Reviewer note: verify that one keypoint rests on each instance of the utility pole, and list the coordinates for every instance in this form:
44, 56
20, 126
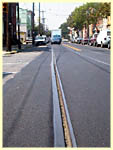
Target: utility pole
7, 40
9, 24
33, 25
19, 44
43, 19
39, 18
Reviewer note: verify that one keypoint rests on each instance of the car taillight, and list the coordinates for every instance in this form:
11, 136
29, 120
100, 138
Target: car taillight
104, 38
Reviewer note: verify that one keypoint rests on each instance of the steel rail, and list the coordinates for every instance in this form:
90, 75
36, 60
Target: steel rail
69, 137
57, 121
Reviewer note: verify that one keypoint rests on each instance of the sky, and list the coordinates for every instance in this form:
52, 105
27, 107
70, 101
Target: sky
54, 13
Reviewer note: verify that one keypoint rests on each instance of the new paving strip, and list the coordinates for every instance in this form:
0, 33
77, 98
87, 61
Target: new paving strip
63, 131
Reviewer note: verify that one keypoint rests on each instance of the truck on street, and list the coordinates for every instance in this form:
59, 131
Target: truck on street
56, 36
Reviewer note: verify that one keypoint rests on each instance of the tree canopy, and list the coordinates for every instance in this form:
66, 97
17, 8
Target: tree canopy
42, 30
86, 14
65, 30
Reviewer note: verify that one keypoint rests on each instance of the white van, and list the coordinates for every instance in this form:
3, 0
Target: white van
103, 37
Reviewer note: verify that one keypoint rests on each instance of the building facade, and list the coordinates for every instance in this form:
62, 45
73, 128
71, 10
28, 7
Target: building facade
6, 7
10, 13
25, 24
102, 24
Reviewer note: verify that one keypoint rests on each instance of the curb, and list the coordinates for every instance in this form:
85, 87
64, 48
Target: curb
15, 51
8, 53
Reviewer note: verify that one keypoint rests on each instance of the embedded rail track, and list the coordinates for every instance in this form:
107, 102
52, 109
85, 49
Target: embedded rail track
63, 131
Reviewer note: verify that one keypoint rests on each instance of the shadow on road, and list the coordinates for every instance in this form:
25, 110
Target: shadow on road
45, 48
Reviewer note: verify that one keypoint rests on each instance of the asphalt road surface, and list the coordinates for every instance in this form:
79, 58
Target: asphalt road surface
27, 95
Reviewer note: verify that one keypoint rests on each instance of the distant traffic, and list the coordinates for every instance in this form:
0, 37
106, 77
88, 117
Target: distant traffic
103, 39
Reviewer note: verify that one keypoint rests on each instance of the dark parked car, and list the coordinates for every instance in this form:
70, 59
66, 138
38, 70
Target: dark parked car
85, 41
28, 40
92, 40
109, 44
79, 40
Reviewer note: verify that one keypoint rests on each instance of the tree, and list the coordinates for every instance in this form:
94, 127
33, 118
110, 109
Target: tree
104, 10
65, 30
48, 33
88, 13
36, 30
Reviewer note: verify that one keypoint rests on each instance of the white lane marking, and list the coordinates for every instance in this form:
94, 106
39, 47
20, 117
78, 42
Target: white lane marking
15, 63
97, 60
92, 58
98, 53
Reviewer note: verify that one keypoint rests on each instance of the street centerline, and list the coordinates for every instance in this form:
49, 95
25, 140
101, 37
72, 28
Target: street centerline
71, 47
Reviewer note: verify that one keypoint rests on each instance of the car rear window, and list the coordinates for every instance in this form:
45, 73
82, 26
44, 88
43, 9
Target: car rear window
108, 33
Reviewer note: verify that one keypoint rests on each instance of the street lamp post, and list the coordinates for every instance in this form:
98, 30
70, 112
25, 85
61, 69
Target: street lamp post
9, 24
19, 44
33, 25
39, 18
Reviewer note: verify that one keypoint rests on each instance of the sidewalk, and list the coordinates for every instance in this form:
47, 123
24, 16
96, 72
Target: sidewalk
15, 49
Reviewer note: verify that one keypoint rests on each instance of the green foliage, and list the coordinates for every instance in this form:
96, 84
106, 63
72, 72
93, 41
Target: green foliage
85, 15
65, 30
42, 31
48, 33
104, 10
88, 14
36, 30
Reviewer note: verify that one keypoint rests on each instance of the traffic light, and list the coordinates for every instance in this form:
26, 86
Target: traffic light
5, 7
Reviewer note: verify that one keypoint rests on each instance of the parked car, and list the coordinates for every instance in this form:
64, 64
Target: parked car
79, 40
28, 40
103, 38
92, 40
72, 40
39, 40
65, 40
75, 39
85, 41
47, 40
109, 44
